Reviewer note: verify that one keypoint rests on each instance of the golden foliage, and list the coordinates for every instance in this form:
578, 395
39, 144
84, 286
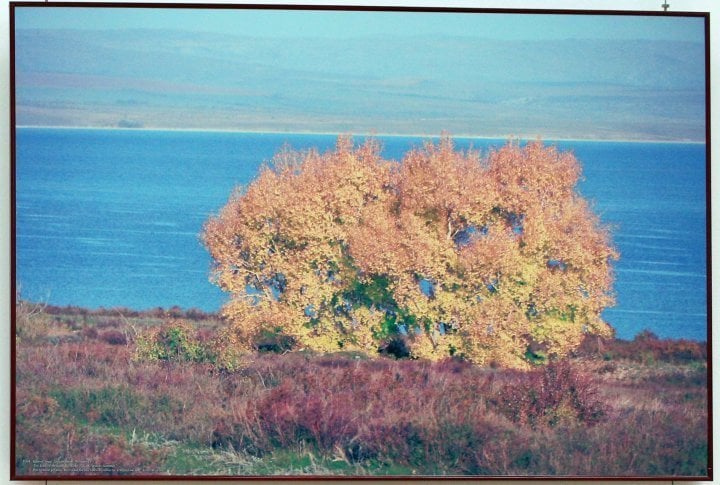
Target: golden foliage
483, 257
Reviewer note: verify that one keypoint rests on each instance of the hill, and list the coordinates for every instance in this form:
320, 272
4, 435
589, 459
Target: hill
570, 88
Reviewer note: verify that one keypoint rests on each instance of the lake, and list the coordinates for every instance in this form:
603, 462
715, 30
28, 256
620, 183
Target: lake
112, 217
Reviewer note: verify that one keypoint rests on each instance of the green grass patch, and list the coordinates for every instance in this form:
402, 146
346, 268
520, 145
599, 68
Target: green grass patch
110, 405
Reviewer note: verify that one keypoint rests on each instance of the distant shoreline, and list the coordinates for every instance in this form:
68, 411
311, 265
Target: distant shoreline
365, 134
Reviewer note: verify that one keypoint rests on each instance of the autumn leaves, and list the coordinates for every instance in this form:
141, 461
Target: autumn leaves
454, 253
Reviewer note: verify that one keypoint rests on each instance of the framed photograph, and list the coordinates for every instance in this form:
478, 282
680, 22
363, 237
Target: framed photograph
255, 241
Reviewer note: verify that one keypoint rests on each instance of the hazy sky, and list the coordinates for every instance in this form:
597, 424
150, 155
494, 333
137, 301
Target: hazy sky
286, 23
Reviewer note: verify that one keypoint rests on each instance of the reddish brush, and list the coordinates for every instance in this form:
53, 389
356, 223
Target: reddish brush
646, 347
548, 396
113, 337
74, 401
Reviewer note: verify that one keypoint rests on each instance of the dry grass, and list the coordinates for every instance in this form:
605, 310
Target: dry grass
83, 399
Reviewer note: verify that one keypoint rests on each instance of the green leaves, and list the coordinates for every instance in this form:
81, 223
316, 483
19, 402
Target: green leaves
174, 341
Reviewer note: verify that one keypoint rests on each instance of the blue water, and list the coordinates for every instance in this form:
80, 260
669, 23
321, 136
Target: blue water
112, 217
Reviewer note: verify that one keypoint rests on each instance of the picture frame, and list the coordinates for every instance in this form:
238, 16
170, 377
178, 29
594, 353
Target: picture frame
121, 371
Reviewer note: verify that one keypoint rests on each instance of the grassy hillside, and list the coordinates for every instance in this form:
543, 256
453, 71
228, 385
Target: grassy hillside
424, 84
86, 404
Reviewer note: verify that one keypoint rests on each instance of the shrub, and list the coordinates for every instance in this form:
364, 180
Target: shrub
175, 340
90, 333
113, 337
552, 395
180, 341
31, 323
444, 254
226, 351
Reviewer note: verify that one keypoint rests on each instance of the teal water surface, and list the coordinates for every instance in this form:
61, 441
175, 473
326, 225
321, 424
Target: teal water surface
108, 218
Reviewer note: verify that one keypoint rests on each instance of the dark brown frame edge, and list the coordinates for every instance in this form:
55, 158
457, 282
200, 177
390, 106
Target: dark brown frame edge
708, 245
351, 8
13, 265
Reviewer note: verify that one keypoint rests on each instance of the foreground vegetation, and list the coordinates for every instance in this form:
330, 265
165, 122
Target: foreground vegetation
93, 399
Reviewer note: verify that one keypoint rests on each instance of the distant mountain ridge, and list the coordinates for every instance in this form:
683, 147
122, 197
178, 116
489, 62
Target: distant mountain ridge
163, 78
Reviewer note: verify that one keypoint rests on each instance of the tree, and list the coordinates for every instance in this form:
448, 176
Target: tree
496, 259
